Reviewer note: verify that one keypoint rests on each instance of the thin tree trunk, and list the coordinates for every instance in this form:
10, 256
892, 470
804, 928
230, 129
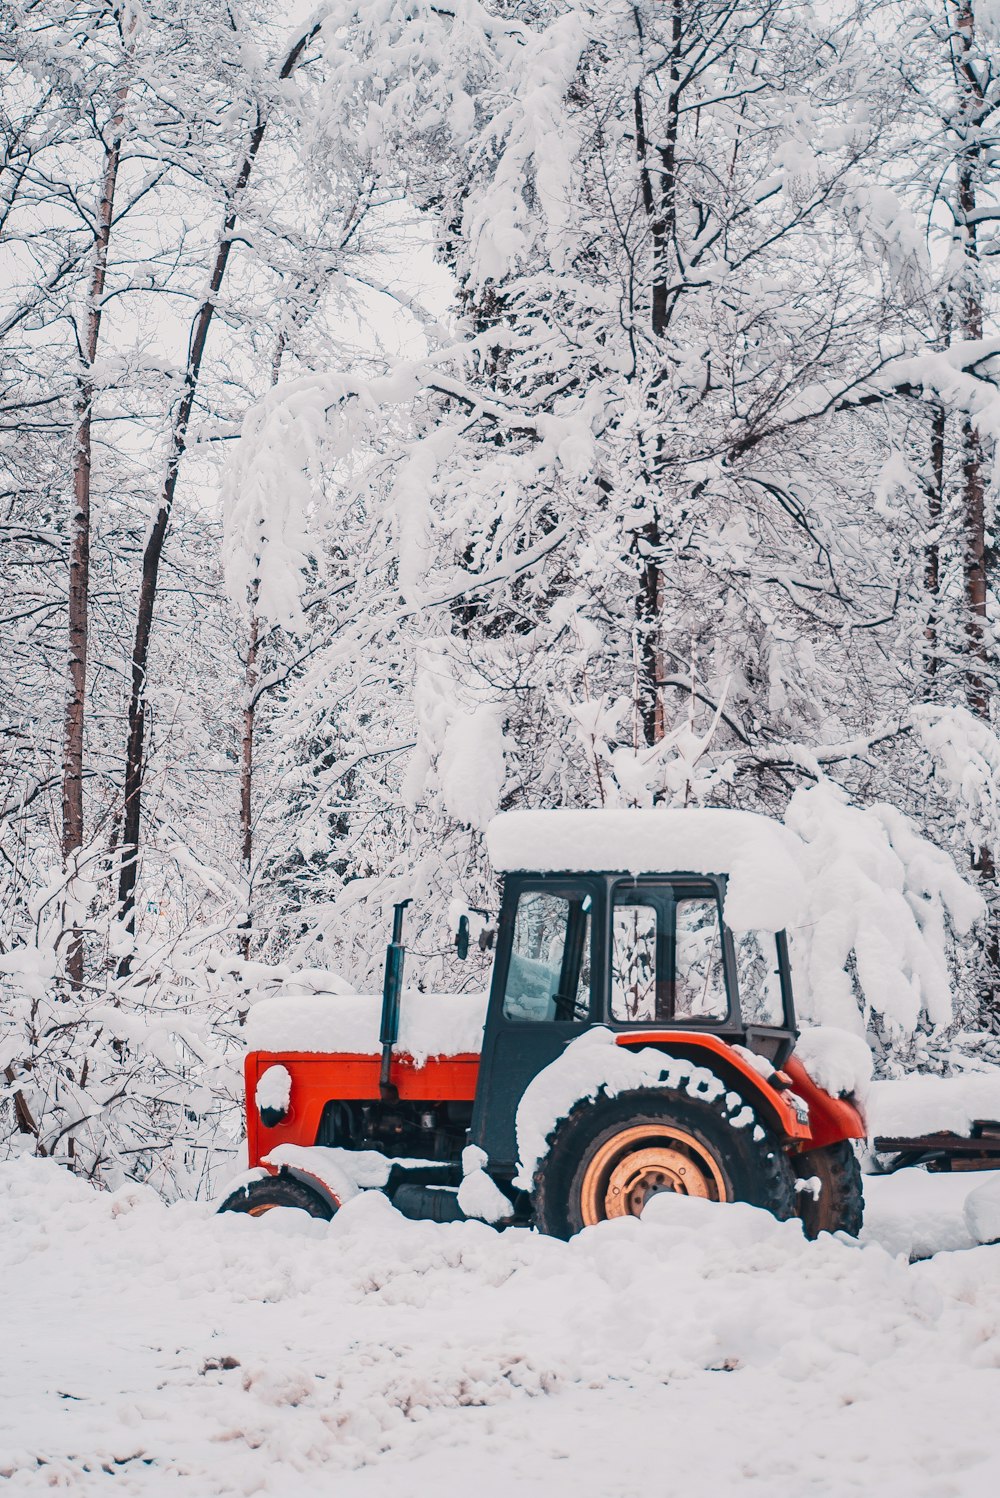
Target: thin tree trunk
970, 300
153, 552
659, 199
246, 776
79, 565
250, 726
974, 511
932, 551
970, 311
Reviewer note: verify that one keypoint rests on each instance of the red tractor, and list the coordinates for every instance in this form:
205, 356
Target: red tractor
638, 1037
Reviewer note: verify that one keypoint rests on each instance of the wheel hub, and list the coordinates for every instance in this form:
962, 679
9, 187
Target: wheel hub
640, 1162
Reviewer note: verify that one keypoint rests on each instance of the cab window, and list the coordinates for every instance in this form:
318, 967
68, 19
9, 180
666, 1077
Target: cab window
666, 955
759, 978
637, 968
700, 977
549, 973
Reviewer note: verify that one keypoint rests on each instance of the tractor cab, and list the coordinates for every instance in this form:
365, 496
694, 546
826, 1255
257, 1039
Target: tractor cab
648, 954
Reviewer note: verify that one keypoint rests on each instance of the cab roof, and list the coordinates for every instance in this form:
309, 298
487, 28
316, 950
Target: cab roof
761, 858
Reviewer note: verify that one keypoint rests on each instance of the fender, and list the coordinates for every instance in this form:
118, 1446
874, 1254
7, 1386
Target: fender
720, 1057
831, 1119
307, 1178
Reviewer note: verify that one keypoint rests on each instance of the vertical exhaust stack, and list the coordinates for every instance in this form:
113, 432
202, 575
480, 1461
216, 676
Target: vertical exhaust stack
392, 987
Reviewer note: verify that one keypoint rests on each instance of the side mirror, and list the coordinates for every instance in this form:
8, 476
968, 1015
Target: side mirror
462, 938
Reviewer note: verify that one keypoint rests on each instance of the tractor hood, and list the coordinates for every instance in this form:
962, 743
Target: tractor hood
761, 858
348, 1024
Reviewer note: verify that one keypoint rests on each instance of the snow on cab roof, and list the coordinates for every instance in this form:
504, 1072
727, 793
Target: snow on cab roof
761, 857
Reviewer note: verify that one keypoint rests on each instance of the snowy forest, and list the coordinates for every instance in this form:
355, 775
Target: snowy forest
412, 410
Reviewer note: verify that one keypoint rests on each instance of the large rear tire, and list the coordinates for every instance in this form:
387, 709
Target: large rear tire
277, 1191
611, 1155
839, 1207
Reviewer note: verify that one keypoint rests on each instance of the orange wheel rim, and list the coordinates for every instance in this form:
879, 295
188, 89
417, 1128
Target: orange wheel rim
643, 1161
259, 1211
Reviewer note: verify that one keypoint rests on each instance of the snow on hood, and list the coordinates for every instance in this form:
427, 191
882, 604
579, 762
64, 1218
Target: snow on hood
429, 1024
762, 859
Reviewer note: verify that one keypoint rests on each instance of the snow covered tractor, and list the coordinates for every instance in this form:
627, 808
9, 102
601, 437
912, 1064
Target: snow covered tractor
638, 1037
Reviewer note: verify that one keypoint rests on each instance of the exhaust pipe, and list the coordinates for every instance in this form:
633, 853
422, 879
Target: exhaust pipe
392, 987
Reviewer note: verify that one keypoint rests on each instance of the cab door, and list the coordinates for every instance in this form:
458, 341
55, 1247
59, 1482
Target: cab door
542, 997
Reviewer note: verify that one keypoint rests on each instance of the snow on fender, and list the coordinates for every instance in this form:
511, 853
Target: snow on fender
837, 1060
318, 1167
595, 1063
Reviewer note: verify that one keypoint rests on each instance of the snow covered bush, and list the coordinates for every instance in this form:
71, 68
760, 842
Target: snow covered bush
883, 908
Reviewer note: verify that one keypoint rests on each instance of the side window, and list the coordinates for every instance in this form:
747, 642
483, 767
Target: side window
761, 1001
634, 966
700, 991
549, 973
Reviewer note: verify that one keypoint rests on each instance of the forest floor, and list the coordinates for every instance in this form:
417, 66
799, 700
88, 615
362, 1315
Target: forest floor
151, 1349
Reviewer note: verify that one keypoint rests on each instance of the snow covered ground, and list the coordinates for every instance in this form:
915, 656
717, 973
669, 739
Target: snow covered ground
706, 1351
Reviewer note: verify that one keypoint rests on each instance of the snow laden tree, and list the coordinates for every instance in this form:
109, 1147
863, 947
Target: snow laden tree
640, 504
945, 58
155, 216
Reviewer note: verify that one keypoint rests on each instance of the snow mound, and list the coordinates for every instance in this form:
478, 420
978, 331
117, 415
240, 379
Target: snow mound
760, 857
920, 1104
430, 1024
479, 1196
982, 1212
918, 1213
737, 1223
167, 1349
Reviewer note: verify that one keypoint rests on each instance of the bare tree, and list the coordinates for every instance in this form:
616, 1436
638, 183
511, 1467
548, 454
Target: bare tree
971, 115
153, 549
79, 563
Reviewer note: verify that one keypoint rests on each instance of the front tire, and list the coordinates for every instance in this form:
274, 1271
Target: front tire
839, 1206
611, 1155
277, 1191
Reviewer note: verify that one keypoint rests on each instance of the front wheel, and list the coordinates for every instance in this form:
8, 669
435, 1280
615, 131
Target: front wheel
611, 1155
259, 1197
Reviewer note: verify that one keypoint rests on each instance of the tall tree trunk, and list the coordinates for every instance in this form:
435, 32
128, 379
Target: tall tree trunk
248, 737
970, 312
970, 317
658, 186
79, 565
153, 552
934, 490
246, 776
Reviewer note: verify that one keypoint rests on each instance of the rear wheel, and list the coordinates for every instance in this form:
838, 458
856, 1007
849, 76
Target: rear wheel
839, 1205
277, 1191
611, 1155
